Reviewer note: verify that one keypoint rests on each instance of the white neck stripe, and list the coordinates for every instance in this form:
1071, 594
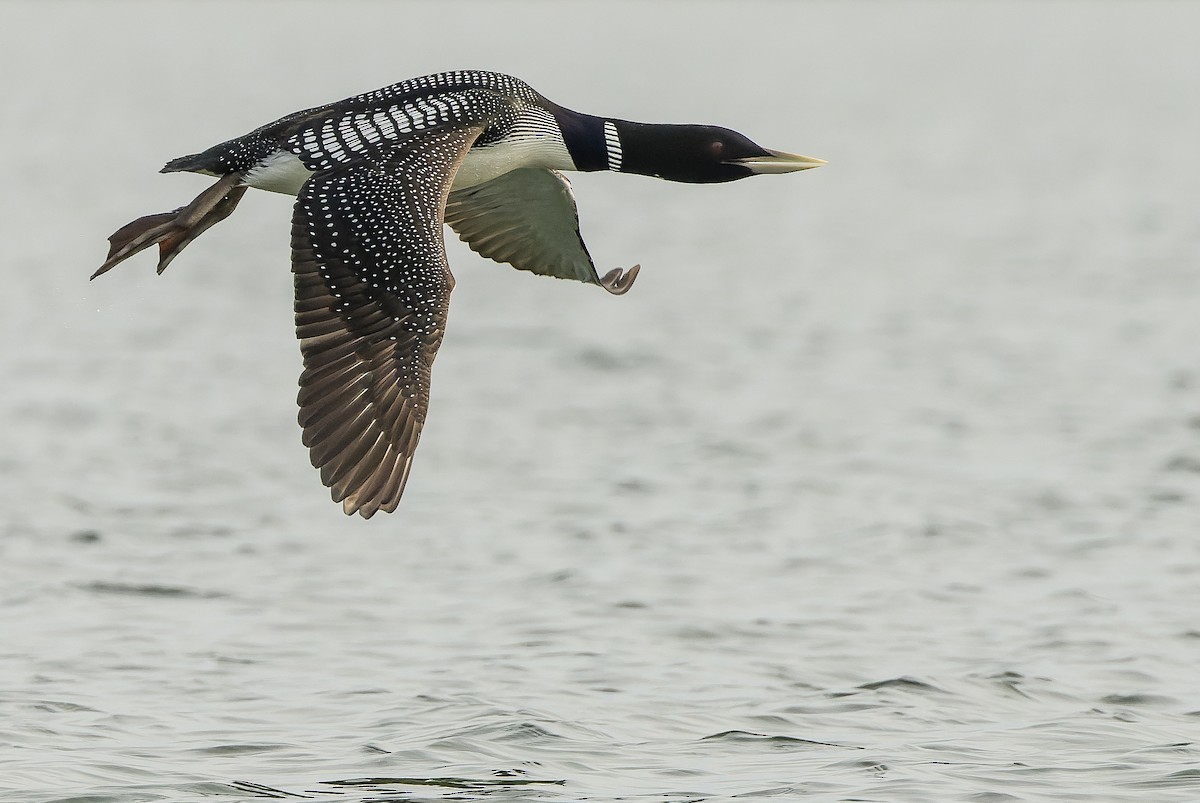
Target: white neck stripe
613, 143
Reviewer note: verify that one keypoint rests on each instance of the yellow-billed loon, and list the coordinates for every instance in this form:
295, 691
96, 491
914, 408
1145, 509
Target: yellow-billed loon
375, 176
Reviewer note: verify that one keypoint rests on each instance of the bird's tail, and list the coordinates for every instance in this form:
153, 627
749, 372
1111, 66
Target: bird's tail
193, 163
173, 231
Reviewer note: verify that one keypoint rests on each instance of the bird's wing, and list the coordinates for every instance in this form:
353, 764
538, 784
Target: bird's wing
527, 218
372, 292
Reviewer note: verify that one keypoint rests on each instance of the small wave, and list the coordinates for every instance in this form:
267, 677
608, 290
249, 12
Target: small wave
149, 590
764, 738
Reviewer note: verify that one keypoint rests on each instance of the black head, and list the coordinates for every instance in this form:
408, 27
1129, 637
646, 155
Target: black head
699, 154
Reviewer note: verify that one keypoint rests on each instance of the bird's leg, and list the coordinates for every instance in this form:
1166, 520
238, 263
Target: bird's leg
174, 230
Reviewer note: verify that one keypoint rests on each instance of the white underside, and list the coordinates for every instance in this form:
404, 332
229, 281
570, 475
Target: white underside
527, 149
279, 172
283, 172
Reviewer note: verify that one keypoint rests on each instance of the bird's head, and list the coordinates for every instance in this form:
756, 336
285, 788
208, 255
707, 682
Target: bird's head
700, 154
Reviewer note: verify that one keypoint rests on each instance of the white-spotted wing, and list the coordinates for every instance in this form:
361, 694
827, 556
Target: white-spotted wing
372, 292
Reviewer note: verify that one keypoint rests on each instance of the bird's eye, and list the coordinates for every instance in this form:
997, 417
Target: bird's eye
716, 148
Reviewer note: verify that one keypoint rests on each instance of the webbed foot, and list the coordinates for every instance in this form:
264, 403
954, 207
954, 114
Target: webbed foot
618, 281
173, 231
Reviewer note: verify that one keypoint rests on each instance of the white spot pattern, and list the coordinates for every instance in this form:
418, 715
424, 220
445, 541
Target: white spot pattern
372, 291
361, 125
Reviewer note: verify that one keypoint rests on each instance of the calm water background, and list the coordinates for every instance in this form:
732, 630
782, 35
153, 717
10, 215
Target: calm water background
883, 484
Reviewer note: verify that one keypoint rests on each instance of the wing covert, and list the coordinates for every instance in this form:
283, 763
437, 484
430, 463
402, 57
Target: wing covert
527, 218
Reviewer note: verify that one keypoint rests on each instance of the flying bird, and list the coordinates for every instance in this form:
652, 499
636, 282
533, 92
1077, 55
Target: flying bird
375, 178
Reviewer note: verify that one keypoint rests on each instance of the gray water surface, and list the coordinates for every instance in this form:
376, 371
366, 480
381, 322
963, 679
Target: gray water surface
882, 484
